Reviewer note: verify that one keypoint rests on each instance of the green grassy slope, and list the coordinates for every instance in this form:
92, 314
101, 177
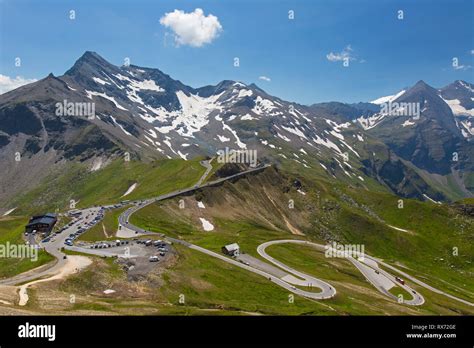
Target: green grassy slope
104, 186
255, 209
335, 212
109, 224
108, 185
11, 229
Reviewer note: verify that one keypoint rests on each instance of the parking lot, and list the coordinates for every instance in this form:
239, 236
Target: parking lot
83, 221
138, 256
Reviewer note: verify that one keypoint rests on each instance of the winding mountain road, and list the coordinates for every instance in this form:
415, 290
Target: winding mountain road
378, 278
285, 276
371, 276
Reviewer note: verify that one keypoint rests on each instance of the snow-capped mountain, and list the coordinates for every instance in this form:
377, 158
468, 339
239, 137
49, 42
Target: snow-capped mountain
460, 98
388, 98
145, 109
435, 135
148, 114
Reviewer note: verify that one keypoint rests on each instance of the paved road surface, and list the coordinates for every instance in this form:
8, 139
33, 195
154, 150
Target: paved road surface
208, 166
422, 284
326, 293
366, 270
305, 279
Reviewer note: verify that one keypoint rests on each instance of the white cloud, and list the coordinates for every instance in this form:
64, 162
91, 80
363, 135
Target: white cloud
264, 78
472, 51
7, 83
194, 28
346, 53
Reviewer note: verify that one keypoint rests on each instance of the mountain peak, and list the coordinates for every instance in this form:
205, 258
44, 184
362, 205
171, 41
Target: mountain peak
87, 62
464, 84
256, 88
91, 55
421, 83
225, 83
421, 86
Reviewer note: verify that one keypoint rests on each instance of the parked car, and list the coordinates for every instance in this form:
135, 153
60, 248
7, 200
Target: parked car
154, 259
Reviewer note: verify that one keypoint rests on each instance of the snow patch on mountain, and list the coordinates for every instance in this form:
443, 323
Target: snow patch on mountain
283, 137
337, 135
96, 164
100, 81
457, 108
327, 143
105, 96
206, 225
120, 126
247, 117
468, 128
192, 116
338, 126
234, 133
146, 85
350, 148
152, 133
183, 156
388, 98
223, 139
371, 121
8, 212
130, 190
245, 93
263, 106
295, 131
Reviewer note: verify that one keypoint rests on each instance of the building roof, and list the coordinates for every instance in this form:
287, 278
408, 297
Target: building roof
48, 219
232, 247
44, 215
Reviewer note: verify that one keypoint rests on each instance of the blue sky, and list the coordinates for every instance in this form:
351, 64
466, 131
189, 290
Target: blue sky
386, 54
